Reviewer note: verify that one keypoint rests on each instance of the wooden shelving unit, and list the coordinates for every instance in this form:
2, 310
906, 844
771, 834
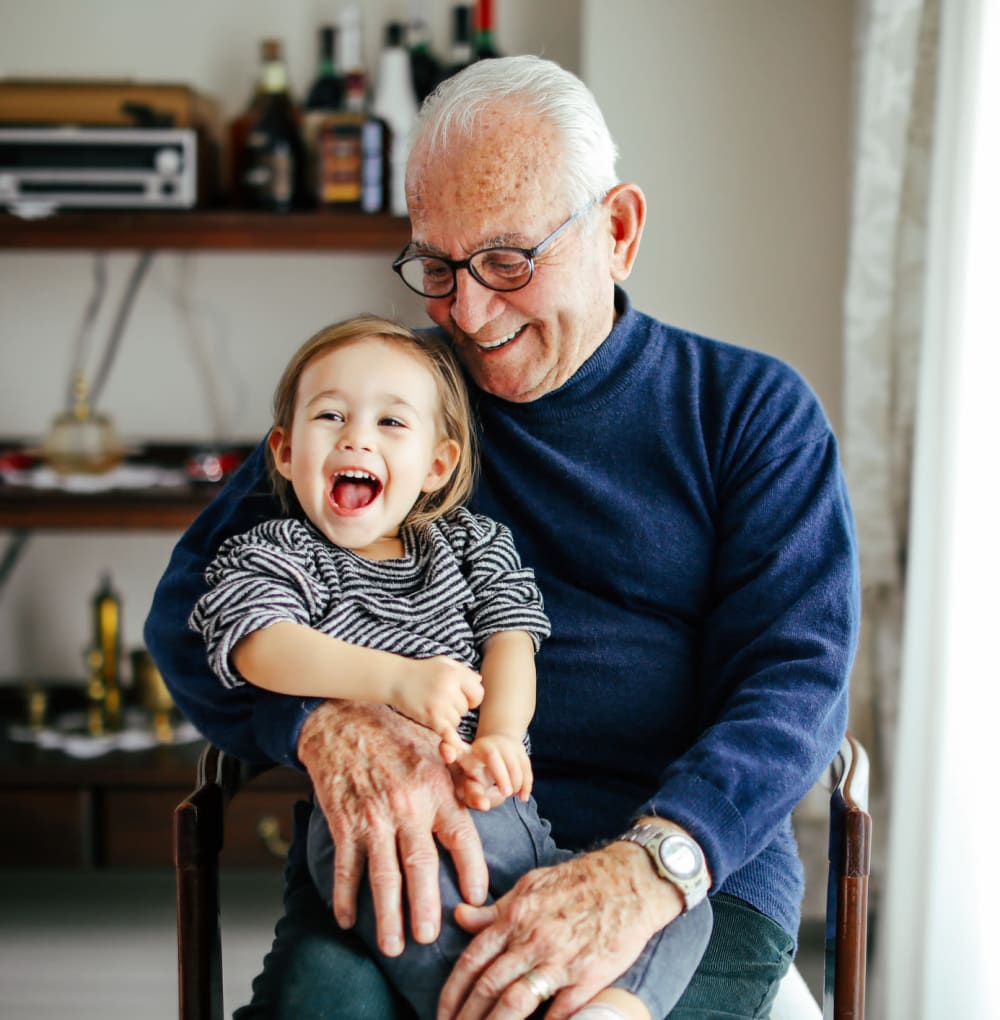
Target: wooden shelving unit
208, 230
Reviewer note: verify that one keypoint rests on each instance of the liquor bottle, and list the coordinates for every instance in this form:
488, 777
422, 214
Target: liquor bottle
326, 96
484, 45
425, 69
339, 154
107, 649
395, 103
275, 158
239, 131
460, 53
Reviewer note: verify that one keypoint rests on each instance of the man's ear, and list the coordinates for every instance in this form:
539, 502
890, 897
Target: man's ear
443, 466
281, 450
627, 205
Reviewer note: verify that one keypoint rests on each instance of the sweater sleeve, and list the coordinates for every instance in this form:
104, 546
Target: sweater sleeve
776, 645
256, 580
505, 592
253, 724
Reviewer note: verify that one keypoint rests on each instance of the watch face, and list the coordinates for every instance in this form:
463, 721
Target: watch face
679, 857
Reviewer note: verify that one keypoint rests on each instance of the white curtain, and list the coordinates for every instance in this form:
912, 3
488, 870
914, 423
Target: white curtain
938, 940
896, 70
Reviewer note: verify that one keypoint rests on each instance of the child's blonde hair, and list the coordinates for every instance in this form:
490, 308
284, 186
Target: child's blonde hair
456, 414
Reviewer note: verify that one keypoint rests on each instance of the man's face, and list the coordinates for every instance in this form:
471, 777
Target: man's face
503, 188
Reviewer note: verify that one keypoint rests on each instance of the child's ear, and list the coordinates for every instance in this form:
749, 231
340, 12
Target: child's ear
443, 466
281, 450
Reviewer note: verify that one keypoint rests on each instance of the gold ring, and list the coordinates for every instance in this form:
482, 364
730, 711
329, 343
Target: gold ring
540, 985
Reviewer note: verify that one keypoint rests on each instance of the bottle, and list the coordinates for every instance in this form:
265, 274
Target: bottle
425, 69
396, 104
325, 97
339, 156
108, 651
239, 130
484, 45
275, 158
460, 54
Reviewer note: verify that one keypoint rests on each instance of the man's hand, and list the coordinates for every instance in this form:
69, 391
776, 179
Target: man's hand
436, 693
386, 794
578, 925
494, 764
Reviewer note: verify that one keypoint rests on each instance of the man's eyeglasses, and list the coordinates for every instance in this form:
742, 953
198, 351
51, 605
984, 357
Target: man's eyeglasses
503, 269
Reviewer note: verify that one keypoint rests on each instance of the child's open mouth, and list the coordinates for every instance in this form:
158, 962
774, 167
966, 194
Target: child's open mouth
354, 489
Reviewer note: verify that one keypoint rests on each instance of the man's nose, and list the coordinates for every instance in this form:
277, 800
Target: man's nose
472, 304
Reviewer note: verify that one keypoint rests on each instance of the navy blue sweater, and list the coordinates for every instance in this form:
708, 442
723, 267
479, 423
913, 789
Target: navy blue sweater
682, 505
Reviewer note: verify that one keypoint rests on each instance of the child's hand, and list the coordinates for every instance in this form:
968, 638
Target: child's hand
493, 763
436, 693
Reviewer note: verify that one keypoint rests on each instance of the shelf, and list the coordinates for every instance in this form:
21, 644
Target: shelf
173, 508
208, 230
141, 509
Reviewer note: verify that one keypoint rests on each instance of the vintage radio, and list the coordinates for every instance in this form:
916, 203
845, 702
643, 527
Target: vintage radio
84, 167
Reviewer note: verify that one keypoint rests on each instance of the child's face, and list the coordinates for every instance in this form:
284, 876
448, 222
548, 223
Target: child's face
365, 442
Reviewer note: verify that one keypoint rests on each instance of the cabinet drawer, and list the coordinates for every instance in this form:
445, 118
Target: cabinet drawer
46, 828
136, 827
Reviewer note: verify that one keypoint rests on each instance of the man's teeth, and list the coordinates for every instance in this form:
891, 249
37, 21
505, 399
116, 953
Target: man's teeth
503, 340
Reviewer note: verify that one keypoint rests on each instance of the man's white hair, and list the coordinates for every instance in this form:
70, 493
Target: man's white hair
539, 87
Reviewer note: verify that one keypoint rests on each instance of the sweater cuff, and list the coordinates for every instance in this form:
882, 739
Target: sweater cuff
711, 818
277, 720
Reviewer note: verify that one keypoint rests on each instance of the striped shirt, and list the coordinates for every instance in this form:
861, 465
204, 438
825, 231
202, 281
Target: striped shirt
458, 581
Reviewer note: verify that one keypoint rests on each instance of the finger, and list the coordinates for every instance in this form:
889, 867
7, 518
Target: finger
529, 779
448, 753
419, 855
387, 886
451, 739
457, 834
347, 870
475, 919
454, 1000
472, 688
499, 771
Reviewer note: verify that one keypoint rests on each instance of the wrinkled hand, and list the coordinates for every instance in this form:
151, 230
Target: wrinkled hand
436, 693
493, 767
579, 924
386, 794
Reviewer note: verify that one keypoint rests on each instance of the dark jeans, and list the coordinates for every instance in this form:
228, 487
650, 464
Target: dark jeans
315, 971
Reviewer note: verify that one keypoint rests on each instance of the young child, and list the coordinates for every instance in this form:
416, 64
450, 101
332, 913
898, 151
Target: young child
380, 586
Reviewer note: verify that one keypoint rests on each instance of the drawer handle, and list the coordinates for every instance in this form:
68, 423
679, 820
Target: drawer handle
269, 831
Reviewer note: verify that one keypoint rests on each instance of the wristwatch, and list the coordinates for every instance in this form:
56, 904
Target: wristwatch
676, 857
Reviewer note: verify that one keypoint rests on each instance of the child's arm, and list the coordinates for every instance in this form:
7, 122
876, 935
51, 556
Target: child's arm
497, 756
293, 658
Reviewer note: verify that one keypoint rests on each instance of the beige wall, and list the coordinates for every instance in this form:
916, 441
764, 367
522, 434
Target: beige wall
734, 118
731, 113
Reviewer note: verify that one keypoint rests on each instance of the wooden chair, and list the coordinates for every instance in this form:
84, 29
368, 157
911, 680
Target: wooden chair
847, 885
198, 839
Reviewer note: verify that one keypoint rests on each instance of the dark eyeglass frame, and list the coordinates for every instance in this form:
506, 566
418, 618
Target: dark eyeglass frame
529, 254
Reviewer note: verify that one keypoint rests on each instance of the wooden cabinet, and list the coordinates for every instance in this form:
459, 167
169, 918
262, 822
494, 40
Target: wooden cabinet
116, 811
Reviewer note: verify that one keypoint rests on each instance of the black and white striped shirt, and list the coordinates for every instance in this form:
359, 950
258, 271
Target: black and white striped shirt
459, 580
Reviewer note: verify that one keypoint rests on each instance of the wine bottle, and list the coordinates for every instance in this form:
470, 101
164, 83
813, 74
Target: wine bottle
239, 131
325, 97
340, 158
484, 45
460, 53
395, 103
425, 69
275, 159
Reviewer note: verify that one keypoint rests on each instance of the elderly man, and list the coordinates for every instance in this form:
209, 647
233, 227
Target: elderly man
682, 505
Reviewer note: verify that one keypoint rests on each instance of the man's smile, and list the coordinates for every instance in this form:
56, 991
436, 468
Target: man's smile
495, 345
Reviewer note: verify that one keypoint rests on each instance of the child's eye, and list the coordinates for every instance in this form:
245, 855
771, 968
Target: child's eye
393, 422
329, 416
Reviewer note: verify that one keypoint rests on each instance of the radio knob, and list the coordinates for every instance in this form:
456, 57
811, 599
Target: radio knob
168, 162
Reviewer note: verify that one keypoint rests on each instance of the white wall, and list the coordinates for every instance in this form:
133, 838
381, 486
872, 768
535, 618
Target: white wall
732, 115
